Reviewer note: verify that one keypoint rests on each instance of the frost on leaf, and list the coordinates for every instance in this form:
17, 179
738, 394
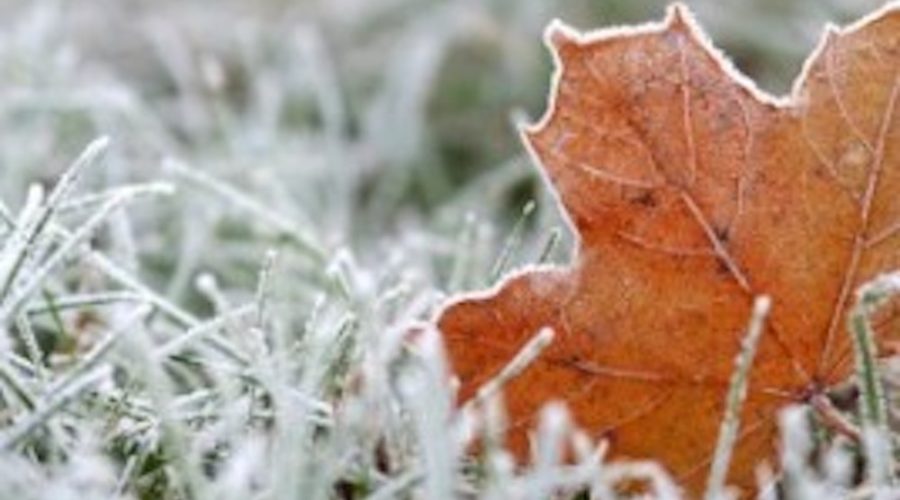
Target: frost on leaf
691, 193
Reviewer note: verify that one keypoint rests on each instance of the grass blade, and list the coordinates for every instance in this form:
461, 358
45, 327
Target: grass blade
737, 392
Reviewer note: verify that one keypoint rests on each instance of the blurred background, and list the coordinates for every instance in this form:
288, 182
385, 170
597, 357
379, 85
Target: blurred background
408, 99
398, 104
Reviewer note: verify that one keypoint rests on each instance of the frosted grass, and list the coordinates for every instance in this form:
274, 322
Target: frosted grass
235, 324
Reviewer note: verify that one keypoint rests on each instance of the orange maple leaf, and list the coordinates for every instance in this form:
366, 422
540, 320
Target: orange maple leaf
692, 192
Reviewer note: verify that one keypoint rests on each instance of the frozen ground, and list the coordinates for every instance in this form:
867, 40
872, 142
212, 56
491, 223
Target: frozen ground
218, 219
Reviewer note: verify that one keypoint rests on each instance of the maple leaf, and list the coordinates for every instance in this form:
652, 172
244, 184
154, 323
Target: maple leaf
691, 193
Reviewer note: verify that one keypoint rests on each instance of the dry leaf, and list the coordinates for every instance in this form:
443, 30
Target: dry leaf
692, 192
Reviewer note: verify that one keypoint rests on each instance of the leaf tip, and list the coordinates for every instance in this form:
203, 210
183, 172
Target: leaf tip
679, 16
558, 35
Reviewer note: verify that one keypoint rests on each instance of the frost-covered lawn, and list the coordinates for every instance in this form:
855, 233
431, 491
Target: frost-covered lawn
219, 221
